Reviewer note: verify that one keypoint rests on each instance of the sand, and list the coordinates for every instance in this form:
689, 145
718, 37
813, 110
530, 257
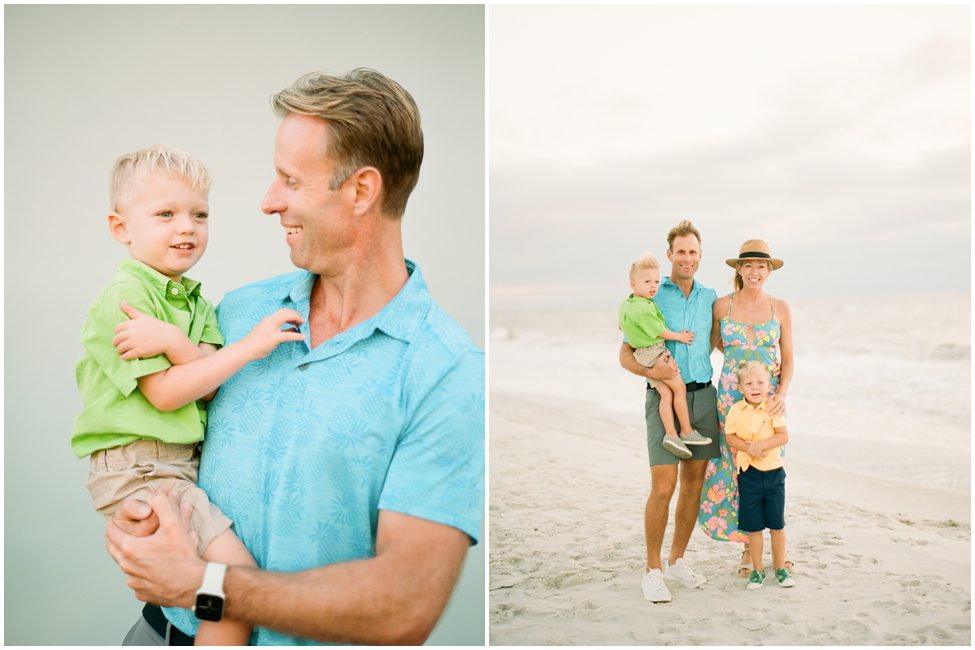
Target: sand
878, 562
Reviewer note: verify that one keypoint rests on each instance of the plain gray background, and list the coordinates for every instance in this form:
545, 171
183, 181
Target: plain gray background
85, 84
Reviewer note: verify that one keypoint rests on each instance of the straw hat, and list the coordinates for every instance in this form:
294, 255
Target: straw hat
755, 249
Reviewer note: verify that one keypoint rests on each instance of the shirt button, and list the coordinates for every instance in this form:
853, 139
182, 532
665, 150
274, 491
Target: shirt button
174, 291
303, 366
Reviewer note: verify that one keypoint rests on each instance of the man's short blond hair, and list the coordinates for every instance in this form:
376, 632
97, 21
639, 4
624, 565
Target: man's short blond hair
645, 262
748, 367
682, 229
372, 122
158, 159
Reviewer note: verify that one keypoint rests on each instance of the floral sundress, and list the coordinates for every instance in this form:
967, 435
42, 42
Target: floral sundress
718, 516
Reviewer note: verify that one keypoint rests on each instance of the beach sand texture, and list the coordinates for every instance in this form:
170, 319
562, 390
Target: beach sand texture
878, 561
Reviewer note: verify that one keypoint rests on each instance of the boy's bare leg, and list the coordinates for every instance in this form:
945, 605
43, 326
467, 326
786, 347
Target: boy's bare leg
226, 549
666, 408
755, 541
677, 387
778, 547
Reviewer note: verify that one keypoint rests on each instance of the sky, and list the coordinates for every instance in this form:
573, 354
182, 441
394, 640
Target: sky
838, 134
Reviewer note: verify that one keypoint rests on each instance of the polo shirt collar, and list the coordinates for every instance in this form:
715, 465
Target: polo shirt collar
399, 318
667, 282
156, 279
753, 407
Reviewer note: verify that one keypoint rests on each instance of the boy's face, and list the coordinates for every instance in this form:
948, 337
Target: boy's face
163, 221
754, 386
645, 283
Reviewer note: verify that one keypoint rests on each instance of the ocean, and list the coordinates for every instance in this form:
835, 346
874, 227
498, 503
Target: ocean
882, 385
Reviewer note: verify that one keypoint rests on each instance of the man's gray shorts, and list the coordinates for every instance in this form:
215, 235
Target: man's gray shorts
702, 406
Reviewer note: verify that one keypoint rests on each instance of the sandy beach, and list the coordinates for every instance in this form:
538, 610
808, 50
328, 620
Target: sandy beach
876, 563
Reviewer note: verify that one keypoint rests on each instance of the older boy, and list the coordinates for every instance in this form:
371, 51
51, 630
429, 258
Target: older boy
141, 420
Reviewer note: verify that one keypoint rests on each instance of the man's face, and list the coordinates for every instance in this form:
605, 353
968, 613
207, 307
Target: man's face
164, 223
645, 283
685, 255
318, 222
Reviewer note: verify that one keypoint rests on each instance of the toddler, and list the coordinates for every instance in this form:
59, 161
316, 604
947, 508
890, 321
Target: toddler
645, 330
140, 377
758, 438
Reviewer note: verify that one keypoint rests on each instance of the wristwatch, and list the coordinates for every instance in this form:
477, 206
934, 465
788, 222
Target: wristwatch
209, 597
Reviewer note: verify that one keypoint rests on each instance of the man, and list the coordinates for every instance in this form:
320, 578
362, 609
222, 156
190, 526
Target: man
350, 462
685, 305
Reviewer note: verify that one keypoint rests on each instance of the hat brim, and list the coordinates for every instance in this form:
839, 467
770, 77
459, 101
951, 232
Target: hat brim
776, 264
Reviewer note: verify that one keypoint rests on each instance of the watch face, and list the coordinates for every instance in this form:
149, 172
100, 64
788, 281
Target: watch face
208, 607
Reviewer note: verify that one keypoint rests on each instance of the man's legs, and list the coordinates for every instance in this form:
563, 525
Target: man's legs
663, 480
688, 504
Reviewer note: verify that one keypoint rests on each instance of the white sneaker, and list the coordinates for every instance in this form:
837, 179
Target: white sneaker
684, 574
654, 588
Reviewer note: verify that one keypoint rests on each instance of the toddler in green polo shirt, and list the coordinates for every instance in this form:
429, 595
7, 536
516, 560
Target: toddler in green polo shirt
645, 330
142, 379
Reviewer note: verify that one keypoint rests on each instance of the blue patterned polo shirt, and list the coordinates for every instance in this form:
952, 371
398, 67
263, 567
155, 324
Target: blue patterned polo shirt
694, 313
304, 447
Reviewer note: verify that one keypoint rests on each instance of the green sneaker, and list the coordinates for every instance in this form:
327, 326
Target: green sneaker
784, 578
756, 581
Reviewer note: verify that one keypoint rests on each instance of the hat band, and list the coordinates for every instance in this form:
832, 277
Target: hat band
764, 256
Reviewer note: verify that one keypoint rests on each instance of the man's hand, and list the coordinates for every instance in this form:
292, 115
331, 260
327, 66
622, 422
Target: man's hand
665, 368
163, 567
268, 334
144, 336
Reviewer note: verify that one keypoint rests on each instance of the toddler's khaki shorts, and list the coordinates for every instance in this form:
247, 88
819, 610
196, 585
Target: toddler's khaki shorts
137, 470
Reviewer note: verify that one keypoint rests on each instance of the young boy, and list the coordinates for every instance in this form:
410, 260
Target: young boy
758, 437
141, 421
644, 327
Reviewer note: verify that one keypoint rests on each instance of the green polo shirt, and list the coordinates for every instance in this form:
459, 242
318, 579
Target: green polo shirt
641, 321
116, 412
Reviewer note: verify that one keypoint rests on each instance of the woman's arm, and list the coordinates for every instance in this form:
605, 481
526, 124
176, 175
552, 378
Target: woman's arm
716, 311
787, 365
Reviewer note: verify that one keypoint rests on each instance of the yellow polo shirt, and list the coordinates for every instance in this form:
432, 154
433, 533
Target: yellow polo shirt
752, 423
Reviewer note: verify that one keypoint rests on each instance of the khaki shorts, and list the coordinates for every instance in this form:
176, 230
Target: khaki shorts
648, 356
137, 470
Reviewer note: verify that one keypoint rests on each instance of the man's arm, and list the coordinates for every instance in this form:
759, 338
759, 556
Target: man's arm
658, 372
395, 597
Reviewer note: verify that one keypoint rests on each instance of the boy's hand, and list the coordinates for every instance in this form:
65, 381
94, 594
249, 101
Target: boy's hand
268, 334
686, 336
144, 336
756, 450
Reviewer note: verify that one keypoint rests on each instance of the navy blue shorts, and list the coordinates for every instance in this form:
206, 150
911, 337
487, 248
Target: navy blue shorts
761, 500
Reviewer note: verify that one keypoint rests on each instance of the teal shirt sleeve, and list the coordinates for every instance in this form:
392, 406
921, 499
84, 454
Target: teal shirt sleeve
99, 330
437, 469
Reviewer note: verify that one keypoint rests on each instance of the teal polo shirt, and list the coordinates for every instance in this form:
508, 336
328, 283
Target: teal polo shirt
694, 313
115, 412
306, 446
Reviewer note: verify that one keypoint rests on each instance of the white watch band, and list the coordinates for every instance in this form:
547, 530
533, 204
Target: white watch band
213, 579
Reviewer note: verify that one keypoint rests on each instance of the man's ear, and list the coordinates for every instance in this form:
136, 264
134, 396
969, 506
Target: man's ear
116, 226
367, 183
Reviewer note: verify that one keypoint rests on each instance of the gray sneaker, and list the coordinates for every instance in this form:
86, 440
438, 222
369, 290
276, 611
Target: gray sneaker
694, 438
676, 447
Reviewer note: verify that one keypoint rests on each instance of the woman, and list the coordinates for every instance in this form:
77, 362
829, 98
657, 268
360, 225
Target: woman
750, 326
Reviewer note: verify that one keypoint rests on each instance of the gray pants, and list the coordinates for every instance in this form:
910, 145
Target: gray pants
142, 634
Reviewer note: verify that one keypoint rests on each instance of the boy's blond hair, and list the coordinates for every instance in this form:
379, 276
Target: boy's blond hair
139, 165
748, 367
682, 229
645, 262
